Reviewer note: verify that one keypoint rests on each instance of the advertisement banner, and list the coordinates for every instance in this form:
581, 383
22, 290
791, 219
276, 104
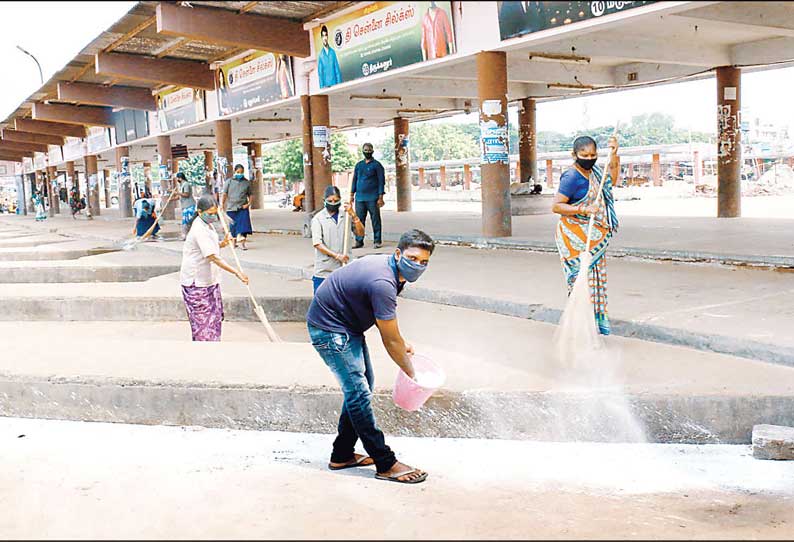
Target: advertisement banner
180, 107
494, 140
39, 160
54, 154
253, 80
74, 148
130, 124
519, 18
380, 37
98, 139
27, 165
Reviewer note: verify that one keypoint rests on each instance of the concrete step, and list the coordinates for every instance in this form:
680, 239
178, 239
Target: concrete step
21, 273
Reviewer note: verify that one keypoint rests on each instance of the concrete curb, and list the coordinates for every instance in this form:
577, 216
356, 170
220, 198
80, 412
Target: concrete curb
63, 274
525, 416
120, 309
722, 344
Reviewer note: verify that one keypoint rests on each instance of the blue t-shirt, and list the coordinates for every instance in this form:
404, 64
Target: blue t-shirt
574, 185
354, 296
369, 180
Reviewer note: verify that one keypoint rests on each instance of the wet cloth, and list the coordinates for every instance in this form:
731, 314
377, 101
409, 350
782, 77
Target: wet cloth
204, 308
241, 223
571, 238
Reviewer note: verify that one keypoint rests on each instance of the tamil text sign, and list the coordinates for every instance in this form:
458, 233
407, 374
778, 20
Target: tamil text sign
519, 18
253, 80
180, 107
381, 37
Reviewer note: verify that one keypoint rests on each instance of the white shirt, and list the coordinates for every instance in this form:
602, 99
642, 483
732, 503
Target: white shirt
200, 243
332, 234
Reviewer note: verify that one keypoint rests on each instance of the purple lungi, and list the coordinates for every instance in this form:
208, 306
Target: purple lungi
204, 310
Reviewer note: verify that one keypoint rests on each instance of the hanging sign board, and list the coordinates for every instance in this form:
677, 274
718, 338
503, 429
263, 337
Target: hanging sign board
380, 37
130, 124
74, 148
98, 139
180, 107
39, 160
54, 154
519, 18
253, 80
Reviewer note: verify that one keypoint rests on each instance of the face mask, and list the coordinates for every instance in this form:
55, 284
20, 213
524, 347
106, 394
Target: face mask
368, 155
586, 163
409, 269
238, 176
333, 207
209, 218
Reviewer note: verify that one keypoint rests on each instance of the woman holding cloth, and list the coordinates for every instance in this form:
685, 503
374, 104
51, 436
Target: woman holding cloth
198, 275
577, 199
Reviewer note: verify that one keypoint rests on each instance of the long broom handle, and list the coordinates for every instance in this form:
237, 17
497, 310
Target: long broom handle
600, 190
346, 243
157, 220
270, 331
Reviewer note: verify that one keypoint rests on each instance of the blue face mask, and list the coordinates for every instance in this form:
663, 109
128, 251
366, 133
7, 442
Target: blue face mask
409, 269
238, 176
209, 218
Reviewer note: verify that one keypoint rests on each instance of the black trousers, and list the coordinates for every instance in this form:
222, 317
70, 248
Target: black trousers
371, 207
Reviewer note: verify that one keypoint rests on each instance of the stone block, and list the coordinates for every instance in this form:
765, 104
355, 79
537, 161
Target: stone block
773, 442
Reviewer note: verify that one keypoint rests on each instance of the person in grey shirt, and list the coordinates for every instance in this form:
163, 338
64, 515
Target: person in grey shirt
328, 235
236, 200
186, 202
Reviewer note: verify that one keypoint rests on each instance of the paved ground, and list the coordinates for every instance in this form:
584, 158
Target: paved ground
89, 480
749, 311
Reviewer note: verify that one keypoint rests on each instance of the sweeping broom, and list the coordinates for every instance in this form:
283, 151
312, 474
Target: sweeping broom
577, 334
133, 242
346, 242
258, 310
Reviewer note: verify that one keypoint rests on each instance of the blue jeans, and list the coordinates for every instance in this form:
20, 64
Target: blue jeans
316, 281
371, 207
348, 358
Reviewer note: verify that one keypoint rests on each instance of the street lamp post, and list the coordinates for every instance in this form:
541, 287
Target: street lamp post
41, 75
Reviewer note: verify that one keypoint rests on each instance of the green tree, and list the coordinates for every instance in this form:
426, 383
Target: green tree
194, 169
341, 157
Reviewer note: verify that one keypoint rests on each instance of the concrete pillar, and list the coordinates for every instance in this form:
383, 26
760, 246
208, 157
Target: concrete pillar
527, 142
494, 169
71, 178
29, 200
422, 182
466, 177
675, 168
402, 167
209, 167
92, 185
52, 186
106, 176
166, 159
442, 177
257, 191
308, 175
147, 176
321, 155
124, 181
550, 173
729, 150
656, 170
696, 166
517, 178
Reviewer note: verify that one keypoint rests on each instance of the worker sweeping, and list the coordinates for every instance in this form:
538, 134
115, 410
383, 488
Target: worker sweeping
199, 272
586, 207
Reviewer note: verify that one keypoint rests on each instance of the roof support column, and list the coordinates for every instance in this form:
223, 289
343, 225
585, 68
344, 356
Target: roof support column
402, 168
106, 173
32, 180
257, 190
223, 148
71, 178
209, 167
164, 152
527, 142
124, 181
442, 177
52, 192
92, 183
729, 150
147, 177
550, 173
656, 170
308, 176
321, 147
495, 168
466, 177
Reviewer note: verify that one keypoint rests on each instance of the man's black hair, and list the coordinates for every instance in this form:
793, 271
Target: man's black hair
418, 239
324, 30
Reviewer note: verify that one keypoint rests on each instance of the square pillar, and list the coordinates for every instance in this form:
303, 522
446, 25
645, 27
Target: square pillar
124, 181
92, 184
402, 167
550, 173
52, 191
466, 177
166, 159
656, 170
71, 178
321, 147
254, 152
422, 182
442, 177
106, 184
527, 167
308, 172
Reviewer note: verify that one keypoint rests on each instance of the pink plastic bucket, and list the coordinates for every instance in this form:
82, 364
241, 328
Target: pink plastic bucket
409, 394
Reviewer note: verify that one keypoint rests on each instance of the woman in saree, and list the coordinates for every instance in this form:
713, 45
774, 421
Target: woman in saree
38, 203
576, 201
199, 274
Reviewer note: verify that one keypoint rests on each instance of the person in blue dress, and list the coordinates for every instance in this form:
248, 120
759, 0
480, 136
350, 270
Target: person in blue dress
327, 64
144, 218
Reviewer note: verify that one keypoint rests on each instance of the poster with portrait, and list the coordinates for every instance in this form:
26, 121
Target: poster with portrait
519, 18
380, 37
178, 107
255, 79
